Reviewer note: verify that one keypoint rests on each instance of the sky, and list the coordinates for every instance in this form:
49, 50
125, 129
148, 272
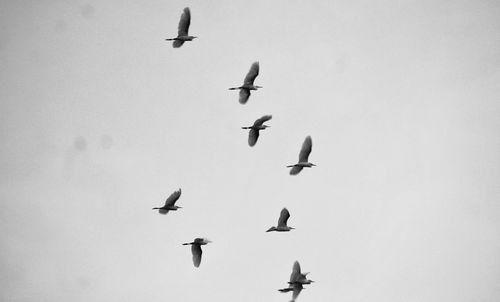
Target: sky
101, 119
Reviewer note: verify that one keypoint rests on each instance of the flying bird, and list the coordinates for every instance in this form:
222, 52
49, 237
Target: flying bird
196, 249
297, 280
182, 33
253, 134
248, 83
170, 203
303, 157
282, 227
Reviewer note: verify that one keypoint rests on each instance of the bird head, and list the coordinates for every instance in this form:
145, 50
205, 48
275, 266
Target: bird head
305, 277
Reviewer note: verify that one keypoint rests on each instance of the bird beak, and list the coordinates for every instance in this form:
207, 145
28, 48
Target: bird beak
313, 165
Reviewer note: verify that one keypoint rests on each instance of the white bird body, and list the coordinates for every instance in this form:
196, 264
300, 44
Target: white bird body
248, 83
282, 222
280, 229
303, 157
260, 127
303, 165
196, 249
184, 38
247, 87
170, 203
183, 29
253, 134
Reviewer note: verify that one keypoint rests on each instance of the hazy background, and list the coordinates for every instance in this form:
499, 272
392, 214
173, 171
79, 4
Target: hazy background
101, 119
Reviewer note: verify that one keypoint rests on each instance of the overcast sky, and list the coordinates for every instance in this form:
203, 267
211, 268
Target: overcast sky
101, 119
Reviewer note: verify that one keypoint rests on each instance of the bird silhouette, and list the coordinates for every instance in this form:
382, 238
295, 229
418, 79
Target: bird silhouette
253, 134
196, 249
170, 203
297, 280
248, 83
282, 227
303, 157
182, 33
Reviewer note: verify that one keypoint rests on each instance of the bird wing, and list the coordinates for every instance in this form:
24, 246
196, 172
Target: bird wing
253, 136
295, 170
295, 272
196, 250
262, 120
252, 73
285, 290
173, 198
284, 215
184, 23
177, 43
296, 290
306, 149
244, 95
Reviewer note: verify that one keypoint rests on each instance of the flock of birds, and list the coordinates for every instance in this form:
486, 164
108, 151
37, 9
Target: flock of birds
297, 279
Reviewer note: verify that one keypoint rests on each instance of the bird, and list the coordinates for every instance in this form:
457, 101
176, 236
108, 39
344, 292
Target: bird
182, 33
196, 249
253, 134
303, 157
170, 203
297, 280
248, 83
282, 227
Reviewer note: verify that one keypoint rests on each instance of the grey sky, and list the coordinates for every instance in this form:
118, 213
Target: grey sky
101, 119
